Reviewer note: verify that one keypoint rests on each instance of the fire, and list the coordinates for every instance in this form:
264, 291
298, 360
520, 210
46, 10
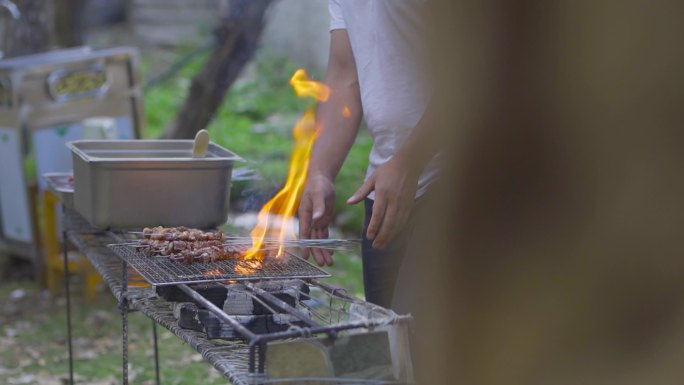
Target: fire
275, 218
248, 267
307, 88
212, 272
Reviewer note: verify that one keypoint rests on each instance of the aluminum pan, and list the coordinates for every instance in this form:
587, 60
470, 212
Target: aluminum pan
138, 183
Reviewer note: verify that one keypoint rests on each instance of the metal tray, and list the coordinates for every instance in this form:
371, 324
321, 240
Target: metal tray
138, 183
62, 185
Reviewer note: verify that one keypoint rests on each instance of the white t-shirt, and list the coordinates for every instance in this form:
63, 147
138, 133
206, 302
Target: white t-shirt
386, 38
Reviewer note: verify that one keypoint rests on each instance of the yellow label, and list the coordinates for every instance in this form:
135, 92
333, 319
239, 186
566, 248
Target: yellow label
78, 83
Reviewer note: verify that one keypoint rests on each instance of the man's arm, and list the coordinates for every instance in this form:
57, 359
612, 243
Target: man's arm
339, 129
339, 119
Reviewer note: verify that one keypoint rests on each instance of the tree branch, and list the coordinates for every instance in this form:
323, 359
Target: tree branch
237, 37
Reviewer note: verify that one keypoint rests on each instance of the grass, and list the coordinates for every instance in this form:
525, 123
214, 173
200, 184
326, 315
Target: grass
33, 337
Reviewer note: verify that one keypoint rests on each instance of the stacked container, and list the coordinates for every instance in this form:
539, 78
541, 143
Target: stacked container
44, 100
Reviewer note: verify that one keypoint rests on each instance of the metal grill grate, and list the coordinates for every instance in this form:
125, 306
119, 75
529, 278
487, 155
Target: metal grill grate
161, 271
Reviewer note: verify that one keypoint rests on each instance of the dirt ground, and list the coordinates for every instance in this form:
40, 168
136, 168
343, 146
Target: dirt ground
33, 346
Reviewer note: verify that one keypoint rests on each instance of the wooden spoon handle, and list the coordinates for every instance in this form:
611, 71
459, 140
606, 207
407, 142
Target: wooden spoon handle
201, 145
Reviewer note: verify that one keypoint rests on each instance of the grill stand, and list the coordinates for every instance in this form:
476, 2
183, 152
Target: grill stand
243, 363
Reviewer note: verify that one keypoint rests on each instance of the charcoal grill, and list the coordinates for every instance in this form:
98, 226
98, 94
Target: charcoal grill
160, 271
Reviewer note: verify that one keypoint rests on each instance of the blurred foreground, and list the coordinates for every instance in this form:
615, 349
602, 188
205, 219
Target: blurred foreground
558, 238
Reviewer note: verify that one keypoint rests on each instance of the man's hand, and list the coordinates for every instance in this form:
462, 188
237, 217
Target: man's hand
315, 215
395, 184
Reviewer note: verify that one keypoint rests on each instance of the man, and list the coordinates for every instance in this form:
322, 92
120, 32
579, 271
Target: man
374, 71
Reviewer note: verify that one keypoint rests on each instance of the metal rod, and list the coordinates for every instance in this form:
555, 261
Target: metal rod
342, 293
306, 332
124, 319
285, 307
335, 291
67, 290
156, 353
262, 357
271, 239
218, 312
252, 359
331, 380
275, 243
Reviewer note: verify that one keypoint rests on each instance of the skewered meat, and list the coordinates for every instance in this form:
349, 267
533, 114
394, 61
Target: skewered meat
175, 246
180, 234
186, 245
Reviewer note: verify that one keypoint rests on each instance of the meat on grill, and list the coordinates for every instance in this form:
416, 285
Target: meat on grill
181, 234
186, 245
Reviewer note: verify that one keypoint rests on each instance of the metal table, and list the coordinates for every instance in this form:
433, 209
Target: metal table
241, 362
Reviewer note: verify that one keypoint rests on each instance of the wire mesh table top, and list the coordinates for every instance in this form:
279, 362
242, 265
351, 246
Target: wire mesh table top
162, 271
229, 357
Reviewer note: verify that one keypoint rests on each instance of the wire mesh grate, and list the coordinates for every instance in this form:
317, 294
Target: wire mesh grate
162, 271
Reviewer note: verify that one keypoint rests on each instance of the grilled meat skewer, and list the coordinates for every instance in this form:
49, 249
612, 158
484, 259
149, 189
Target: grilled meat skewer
181, 234
186, 245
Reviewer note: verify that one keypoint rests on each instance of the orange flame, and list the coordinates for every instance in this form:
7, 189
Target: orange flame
215, 271
308, 88
248, 267
275, 218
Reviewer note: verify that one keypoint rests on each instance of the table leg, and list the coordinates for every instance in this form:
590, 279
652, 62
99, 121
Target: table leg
68, 306
156, 352
123, 304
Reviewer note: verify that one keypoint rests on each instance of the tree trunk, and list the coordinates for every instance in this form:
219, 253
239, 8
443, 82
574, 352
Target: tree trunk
237, 37
31, 32
70, 22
